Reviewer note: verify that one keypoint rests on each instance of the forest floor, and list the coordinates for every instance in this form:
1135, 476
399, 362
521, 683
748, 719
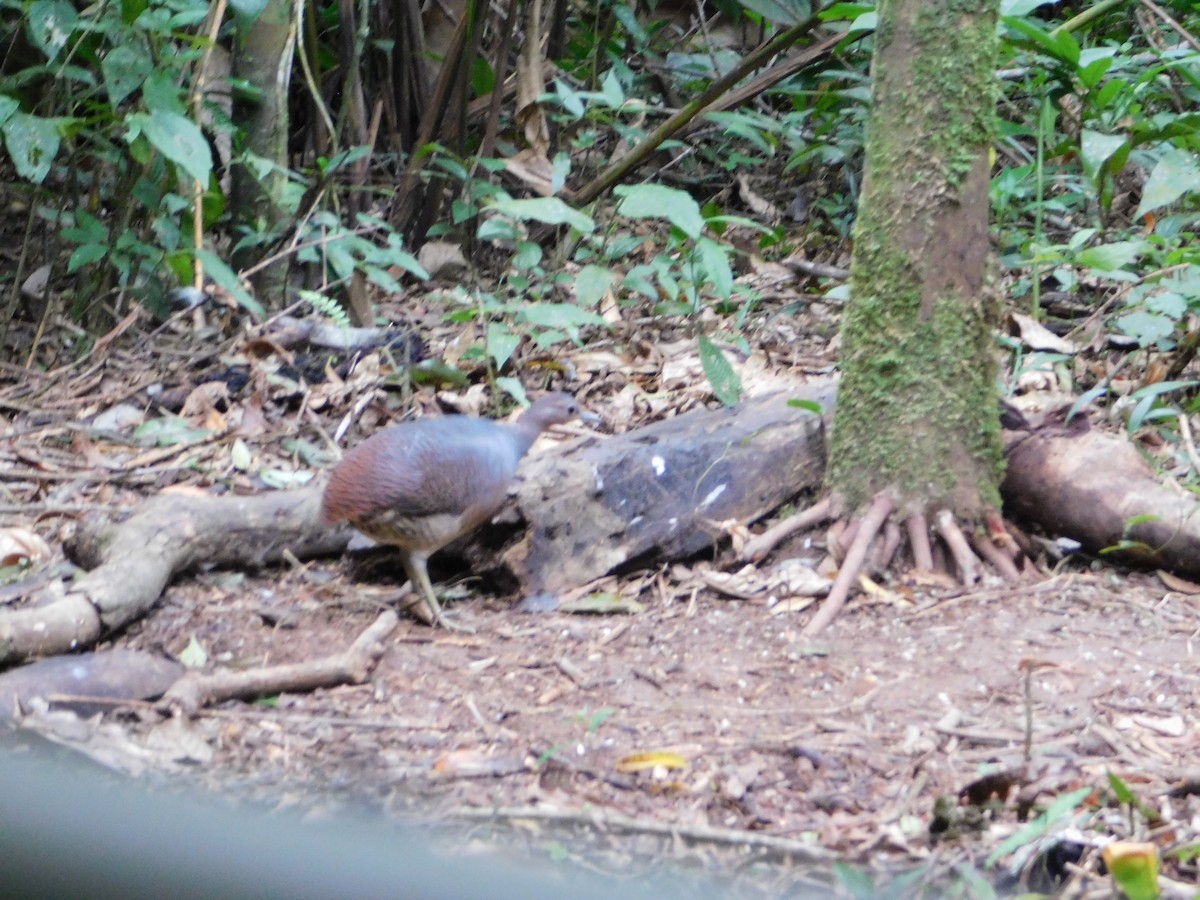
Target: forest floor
695, 732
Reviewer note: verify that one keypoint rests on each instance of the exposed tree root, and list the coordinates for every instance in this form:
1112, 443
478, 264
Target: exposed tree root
877, 513
873, 542
758, 547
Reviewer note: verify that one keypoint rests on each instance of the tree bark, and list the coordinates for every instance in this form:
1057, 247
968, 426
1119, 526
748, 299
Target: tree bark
263, 58
917, 413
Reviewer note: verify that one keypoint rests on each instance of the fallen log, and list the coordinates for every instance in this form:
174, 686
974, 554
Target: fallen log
1097, 489
132, 562
664, 492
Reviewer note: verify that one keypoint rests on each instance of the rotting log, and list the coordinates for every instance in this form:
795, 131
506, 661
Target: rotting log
1097, 489
664, 491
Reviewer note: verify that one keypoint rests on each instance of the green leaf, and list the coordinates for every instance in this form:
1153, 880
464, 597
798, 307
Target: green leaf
125, 68
1093, 72
438, 373
714, 260
592, 283
50, 23
383, 279
498, 228
1134, 867
1145, 327
225, 278
1121, 789
547, 210
857, 881
501, 343
1062, 806
8, 106
246, 12
528, 254
1061, 46
780, 12
1096, 148
724, 380
193, 655
570, 99
514, 388
979, 888
160, 93
811, 405
564, 316
178, 139
1168, 303
1111, 257
84, 255
655, 201
240, 456
32, 143
1175, 174
611, 90
169, 431
1148, 397
87, 229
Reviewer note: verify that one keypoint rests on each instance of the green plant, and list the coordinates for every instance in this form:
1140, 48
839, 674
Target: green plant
689, 269
107, 90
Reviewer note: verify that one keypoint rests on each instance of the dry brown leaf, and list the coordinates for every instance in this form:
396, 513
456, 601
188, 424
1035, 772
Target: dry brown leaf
534, 170
760, 206
20, 545
442, 259
473, 763
1038, 337
530, 86
204, 398
1177, 584
254, 422
792, 605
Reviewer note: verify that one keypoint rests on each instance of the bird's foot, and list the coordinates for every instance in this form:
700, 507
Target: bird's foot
440, 618
451, 625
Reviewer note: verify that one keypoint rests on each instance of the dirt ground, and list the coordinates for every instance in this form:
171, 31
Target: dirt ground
790, 745
696, 732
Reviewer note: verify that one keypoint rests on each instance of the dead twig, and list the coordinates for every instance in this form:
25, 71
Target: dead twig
196, 690
798, 850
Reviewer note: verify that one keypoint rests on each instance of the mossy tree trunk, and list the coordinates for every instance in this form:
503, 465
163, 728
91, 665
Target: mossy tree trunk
917, 412
916, 434
263, 58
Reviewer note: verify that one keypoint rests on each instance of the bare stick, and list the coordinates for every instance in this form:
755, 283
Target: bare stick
918, 540
196, 690
876, 515
611, 821
758, 547
956, 543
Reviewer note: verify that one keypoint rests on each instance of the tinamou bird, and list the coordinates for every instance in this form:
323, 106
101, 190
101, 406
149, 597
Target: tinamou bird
422, 484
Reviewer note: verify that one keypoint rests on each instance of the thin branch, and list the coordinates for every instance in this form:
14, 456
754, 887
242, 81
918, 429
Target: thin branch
196, 690
596, 818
